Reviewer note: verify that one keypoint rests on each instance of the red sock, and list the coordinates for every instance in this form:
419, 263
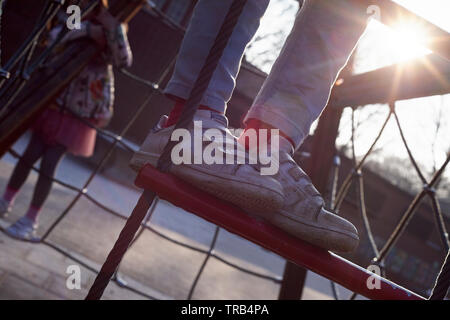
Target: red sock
33, 213
175, 114
10, 195
256, 124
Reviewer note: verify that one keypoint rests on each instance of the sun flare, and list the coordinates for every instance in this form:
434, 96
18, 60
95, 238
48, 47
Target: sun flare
408, 41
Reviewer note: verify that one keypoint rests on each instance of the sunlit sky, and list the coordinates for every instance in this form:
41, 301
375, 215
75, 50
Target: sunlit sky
379, 46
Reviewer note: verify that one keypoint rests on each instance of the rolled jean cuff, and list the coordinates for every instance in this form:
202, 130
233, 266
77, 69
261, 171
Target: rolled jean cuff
297, 131
180, 90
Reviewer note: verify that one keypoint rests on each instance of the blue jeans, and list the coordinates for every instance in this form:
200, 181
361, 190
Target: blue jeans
298, 87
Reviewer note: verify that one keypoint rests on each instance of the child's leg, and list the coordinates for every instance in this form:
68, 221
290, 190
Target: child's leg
293, 96
50, 160
319, 45
33, 152
205, 23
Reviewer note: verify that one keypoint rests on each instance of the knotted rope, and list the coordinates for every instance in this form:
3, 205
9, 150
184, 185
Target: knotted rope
201, 84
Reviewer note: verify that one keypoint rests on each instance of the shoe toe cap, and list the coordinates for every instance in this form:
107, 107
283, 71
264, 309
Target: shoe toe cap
344, 237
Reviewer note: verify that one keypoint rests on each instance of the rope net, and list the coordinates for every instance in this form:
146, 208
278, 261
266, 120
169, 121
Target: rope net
340, 193
17, 71
83, 192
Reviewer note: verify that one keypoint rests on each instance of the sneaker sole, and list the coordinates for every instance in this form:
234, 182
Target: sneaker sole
261, 201
140, 159
18, 236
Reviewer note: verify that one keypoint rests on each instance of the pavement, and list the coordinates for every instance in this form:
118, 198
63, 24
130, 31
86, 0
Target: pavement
155, 266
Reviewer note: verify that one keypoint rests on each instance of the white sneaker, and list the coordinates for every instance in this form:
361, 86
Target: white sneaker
5, 208
303, 214
240, 184
153, 145
24, 229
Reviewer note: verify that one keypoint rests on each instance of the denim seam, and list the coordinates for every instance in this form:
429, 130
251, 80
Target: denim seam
186, 89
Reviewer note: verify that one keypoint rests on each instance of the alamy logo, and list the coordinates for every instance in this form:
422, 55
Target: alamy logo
73, 281
374, 281
221, 148
374, 12
74, 20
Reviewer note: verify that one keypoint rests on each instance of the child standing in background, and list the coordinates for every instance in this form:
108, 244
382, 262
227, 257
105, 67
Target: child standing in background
61, 128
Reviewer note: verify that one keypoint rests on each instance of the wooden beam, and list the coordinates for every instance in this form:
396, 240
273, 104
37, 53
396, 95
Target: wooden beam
426, 76
437, 39
293, 283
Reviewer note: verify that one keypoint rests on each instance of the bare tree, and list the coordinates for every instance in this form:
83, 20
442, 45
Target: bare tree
266, 46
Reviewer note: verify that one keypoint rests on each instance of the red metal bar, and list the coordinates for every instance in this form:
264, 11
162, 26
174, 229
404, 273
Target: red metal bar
231, 218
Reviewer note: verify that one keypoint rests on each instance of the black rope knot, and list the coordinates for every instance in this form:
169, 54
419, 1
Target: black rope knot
429, 190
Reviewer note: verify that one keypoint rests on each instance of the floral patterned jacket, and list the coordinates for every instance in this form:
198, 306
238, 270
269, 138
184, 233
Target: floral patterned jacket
91, 94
